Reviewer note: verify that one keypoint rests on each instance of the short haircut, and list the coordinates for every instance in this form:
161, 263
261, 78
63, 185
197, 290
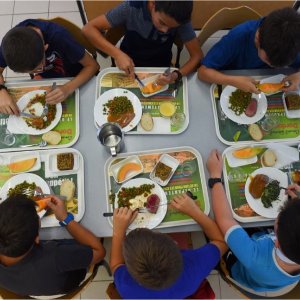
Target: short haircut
152, 258
22, 49
19, 225
279, 36
288, 229
180, 11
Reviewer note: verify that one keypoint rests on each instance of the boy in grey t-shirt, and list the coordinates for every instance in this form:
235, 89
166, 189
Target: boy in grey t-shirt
151, 27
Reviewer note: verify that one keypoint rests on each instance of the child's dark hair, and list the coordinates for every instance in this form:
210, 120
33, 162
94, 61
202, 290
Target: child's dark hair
19, 225
279, 36
180, 11
22, 49
288, 229
152, 258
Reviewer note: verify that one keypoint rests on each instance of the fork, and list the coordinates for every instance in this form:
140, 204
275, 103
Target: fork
37, 192
166, 73
46, 108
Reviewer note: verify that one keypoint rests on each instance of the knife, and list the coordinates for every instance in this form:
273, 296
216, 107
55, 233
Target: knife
139, 80
24, 114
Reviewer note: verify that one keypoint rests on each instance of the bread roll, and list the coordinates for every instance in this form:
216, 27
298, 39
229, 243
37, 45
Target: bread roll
147, 122
255, 132
269, 158
67, 189
52, 137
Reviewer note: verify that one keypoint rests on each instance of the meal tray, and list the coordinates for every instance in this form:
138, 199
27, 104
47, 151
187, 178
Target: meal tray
52, 176
235, 189
68, 126
111, 78
188, 176
287, 130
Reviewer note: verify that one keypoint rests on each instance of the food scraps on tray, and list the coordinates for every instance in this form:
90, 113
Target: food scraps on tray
35, 107
269, 158
22, 165
65, 161
242, 102
162, 171
255, 132
52, 137
147, 121
119, 110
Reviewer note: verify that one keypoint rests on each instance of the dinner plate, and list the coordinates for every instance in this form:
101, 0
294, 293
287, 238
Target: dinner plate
101, 118
256, 204
20, 121
28, 177
262, 106
147, 219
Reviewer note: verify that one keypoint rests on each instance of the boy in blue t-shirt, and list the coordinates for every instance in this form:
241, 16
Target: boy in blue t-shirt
273, 41
45, 50
264, 263
149, 264
151, 27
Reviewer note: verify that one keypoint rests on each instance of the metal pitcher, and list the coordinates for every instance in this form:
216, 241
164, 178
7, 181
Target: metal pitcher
111, 136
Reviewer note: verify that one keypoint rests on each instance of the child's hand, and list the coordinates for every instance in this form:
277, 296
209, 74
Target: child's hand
164, 79
57, 95
214, 164
125, 63
294, 80
58, 207
7, 104
293, 191
246, 84
123, 216
184, 204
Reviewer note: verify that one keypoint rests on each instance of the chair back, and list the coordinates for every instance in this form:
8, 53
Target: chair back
76, 33
226, 18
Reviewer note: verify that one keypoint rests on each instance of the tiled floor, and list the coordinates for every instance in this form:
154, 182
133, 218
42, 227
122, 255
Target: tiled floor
13, 12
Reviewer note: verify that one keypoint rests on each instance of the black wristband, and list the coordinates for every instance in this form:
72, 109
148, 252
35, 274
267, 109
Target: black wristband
179, 75
2, 86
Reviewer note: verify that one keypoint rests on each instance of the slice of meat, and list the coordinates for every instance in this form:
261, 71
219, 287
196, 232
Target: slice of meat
257, 185
251, 108
123, 120
152, 203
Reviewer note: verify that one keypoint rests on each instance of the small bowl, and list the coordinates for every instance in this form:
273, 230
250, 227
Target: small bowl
290, 113
153, 79
53, 162
115, 168
169, 161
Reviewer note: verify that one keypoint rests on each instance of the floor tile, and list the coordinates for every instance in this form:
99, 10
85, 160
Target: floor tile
26, 7
5, 22
198, 239
215, 285
95, 290
62, 6
228, 292
6, 8
71, 16
19, 18
102, 274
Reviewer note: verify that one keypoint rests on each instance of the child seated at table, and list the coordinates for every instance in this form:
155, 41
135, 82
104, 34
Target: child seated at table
272, 41
151, 27
148, 264
45, 50
29, 266
265, 262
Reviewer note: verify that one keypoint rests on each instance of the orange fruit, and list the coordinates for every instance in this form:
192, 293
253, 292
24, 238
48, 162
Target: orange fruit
22, 165
127, 168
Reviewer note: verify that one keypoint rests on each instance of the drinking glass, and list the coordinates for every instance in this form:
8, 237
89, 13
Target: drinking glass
178, 119
6, 137
269, 122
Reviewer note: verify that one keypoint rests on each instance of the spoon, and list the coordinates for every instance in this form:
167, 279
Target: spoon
40, 144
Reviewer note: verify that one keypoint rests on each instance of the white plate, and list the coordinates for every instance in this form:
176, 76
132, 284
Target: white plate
147, 219
262, 106
101, 118
131, 159
28, 177
285, 155
234, 162
20, 121
290, 113
274, 79
256, 204
153, 79
25, 156
169, 161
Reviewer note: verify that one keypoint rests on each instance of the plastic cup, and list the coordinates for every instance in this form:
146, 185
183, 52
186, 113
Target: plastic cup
7, 138
269, 122
178, 119
167, 109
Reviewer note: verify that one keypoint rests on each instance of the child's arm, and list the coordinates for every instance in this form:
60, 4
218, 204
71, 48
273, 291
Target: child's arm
186, 205
294, 80
245, 83
92, 31
78, 232
7, 104
220, 204
90, 68
122, 218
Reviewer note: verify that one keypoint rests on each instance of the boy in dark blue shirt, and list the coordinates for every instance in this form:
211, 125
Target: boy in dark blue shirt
149, 265
45, 50
151, 27
273, 41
